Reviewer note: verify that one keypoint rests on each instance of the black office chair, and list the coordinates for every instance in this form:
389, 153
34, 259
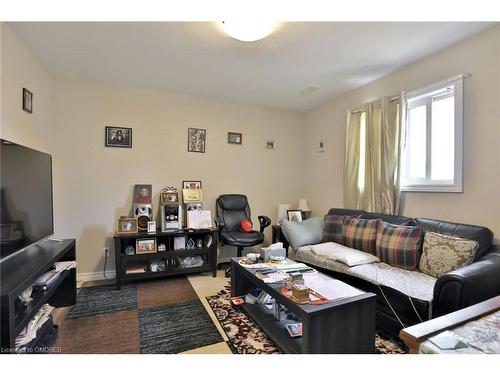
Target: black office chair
231, 209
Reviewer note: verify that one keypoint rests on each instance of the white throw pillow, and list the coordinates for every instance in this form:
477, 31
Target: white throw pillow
343, 254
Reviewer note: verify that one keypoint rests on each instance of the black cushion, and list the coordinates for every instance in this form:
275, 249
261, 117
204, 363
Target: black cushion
472, 232
240, 238
392, 219
345, 212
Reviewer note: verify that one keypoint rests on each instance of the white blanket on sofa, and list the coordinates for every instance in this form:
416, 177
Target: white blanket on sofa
412, 283
343, 254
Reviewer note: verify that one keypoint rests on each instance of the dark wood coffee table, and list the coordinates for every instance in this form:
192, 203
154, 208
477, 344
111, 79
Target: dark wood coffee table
346, 324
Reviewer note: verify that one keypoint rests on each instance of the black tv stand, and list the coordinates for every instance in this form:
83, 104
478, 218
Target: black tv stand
19, 271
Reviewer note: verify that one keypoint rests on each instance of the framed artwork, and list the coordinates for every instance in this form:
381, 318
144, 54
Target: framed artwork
127, 225
27, 101
143, 194
234, 138
294, 215
169, 197
196, 140
269, 145
145, 245
191, 184
321, 145
191, 195
118, 137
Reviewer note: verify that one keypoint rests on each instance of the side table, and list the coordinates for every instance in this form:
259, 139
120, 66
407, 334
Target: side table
278, 236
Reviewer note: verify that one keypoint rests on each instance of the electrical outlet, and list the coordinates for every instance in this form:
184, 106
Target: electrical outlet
106, 252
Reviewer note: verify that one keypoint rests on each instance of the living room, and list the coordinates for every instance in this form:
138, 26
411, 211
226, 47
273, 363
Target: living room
308, 128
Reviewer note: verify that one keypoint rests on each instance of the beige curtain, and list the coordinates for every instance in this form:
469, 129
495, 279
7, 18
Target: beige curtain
371, 175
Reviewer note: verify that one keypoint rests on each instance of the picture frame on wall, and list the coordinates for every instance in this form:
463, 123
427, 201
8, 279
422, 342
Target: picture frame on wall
269, 145
196, 140
27, 100
118, 137
294, 215
234, 138
191, 184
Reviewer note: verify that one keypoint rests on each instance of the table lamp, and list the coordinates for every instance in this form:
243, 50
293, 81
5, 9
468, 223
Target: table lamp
304, 207
282, 209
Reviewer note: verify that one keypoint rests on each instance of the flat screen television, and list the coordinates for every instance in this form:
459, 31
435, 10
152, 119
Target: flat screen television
25, 197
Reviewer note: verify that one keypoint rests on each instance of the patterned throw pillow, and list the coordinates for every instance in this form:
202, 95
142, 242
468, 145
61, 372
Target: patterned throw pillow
333, 229
398, 245
442, 253
361, 234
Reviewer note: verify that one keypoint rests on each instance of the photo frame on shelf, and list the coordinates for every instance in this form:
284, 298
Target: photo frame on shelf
145, 245
169, 197
127, 225
191, 184
191, 195
294, 215
151, 226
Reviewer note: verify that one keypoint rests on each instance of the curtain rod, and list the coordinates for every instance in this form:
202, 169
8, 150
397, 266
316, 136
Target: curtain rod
394, 98
464, 75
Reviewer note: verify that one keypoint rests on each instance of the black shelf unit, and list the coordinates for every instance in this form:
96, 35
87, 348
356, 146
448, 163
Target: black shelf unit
19, 271
208, 252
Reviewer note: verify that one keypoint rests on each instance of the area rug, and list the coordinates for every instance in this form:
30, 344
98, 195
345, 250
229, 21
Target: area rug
164, 316
246, 337
176, 328
103, 300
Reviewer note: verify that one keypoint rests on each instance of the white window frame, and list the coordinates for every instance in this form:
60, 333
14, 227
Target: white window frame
424, 96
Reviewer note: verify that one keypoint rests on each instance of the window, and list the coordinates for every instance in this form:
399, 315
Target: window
432, 144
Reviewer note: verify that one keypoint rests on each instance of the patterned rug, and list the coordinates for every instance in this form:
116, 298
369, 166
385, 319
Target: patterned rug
150, 317
246, 337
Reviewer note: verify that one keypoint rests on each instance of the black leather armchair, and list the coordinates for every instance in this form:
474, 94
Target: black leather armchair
231, 209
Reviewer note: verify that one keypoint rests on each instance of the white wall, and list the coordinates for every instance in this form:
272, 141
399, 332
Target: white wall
19, 68
480, 202
93, 183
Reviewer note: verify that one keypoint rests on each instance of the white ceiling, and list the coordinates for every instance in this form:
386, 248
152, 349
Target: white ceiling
197, 58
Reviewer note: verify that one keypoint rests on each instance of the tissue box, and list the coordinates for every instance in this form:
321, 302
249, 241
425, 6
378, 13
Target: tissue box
267, 253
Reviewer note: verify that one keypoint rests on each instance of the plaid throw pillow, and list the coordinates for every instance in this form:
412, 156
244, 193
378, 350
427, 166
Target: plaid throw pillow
398, 245
333, 229
361, 234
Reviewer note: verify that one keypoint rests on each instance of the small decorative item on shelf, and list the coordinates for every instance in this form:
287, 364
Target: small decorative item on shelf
162, 247
145, 245
294, 215
190, 244
129, 250
151, 226
199, 243
179, 243
208, 240
157, 266
127, 225
194, 207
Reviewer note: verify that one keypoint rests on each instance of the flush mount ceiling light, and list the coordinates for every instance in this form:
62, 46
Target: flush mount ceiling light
248, 30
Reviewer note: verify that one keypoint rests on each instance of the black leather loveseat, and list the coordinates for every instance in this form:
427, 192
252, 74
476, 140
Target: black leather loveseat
452, 291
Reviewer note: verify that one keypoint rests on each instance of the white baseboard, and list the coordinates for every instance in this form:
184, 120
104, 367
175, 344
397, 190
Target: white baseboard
95, 276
